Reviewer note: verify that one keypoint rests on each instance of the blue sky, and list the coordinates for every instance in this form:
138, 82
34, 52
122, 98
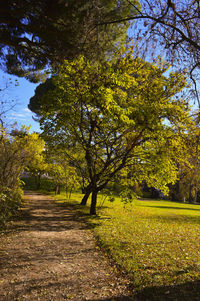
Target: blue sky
20, 95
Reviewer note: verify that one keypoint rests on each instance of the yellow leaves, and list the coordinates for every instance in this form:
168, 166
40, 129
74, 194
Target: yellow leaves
99, 105
125, 119
120, 87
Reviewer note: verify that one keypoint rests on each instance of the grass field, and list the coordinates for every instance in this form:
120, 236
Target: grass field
156, 242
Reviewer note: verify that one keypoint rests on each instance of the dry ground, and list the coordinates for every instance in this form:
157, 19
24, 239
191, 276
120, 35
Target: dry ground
50, 254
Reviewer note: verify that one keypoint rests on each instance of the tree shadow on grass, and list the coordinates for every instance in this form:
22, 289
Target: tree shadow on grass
171, 207
82, 213
189, 291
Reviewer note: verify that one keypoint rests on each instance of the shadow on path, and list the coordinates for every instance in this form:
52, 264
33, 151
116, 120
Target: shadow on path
50, 254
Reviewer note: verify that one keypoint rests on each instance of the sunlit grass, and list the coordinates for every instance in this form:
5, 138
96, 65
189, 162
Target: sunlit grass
156, 242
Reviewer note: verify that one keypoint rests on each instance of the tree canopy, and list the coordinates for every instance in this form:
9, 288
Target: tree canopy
117, 113
36, 34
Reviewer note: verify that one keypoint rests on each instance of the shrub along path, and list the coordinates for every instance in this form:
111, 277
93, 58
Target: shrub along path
50, 254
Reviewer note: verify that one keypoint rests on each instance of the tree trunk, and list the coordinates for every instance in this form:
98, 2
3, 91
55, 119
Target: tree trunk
83, 190
93, 203
70, 192
57, 189
38, 181
195, 196
177, 187
190, 193
85, 198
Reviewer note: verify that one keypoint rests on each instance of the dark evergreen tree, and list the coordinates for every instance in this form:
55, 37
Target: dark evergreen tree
35, 34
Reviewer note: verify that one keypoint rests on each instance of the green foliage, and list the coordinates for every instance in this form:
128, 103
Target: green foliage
10, 201
30, 183
36, 34
126, 196
122, 113
17, 152
106, 195
187, 187
38, 165
42, 89
62, 173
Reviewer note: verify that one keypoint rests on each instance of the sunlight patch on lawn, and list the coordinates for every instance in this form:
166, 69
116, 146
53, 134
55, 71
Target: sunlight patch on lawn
156, 242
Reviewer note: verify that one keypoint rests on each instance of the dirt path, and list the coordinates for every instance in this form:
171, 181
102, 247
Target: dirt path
51, 255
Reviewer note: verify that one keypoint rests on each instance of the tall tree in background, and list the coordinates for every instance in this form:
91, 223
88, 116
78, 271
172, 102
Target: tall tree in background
171, 27
35, 34
62, 172
187, 187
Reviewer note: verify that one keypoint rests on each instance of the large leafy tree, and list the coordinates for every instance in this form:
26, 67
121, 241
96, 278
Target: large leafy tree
35, 34
112, 111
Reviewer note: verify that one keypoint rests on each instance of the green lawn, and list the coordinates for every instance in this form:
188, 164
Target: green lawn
156, 242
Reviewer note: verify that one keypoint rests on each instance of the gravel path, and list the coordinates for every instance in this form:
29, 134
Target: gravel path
49, 254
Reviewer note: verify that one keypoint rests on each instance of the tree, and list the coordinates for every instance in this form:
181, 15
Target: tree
62, 172
187, 186
66, 163
171, 27
16, 153
36, 34
111, 111
38, 165
6, 102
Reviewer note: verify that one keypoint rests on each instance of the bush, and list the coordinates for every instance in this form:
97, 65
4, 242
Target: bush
10, 201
